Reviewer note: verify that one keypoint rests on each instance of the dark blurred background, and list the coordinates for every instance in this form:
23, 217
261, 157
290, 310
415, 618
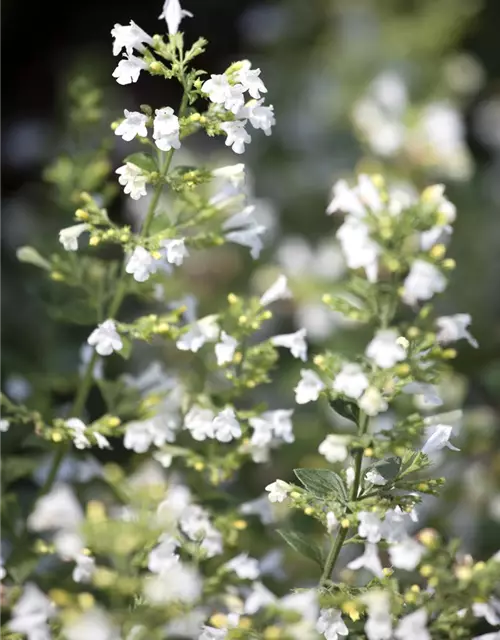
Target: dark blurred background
408, 89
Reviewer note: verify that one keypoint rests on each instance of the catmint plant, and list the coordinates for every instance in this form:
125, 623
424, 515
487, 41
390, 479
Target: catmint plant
156, 544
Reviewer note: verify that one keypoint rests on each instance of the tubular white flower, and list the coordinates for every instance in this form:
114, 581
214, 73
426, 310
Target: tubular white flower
351, 381
244, 567
80, 440
439, 438
68, 237
427, 391
237, 136
202, 331
105, 338
129, 37
181, 583
490, 611
234, 100
413, 627
359, 250
372, 402
277, 291
173, 14
59, 509
379, 623
166, 129
175, 250
226, 426
345, 200
331, 625
423, 281
406, 554
225, 349
133, 125
370, 526
30, 614
162, 557
235, 173
217, 88
278, 490
133, 180
251, 81
453, 328
261, 116
369, 560
129, 69
334, 448
296, 342
309, 387
84, 569
141, 264
385, 350
199, 422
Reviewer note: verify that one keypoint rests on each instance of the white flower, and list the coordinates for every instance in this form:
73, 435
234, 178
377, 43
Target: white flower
217, 88
251, 82
84, 569
370, 526
59, 509
369, 560
141, 264
427, 391
235, 173
331, 625
140, 435
78, 428
369, 194
68, 237
259, 507
226, 426
133, 125
237, 136
439, 438
194, 522
246, 232
213, 633
175, 250
166, 129
93, 623
129, 70
490, 611
277, 291
259, 597
359, 250
162, 557
309, 387
385, 350
334, 448
4, 425
101, 441
281, 423
394, 526
199, 422
244, 567
278, 490
181, 583
204, 330
413, 627
30, 614
374, 477
261, 116
372, 402
331, 522
452, 328
294, 341
173, 14
105, 338
234, 99
351, 381
133, 180
379, 623
346, 200
129, 37
224, 350
423, 281
406, 554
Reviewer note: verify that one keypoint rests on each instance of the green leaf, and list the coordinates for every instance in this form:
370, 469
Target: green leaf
303, 545
126, 350
31, 256
16, 467
346, 409
322, 482
389, 468
144, 161
73, 311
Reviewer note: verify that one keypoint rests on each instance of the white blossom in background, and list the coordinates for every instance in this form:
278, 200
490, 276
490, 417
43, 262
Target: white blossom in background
175, 250
439, 438
331, 522
166, 129
129, 37
195, 524
4, 425
406, 554
242, 228
370, 526
204, 330
372, 402
369, 560
94, 623
219, 633
394, 528
141, 434
334, 448
345, 200
181, 583
237, 136
173, 14
277, 291
226, 426
133, 180
331, 625
296, 342
490, 611
105, 338
259, 507
128, 70
225, 349
250, 80
31, 613
84, 568
163, 555
423, 281
309, 387
428, 392
385, 350
278, 490
199, 422
259, 597
244, 567
59, 509
379, 623
68, 237
413, 627
453, 328
351, 381
141, 264
133, 125
360, 251
77, 428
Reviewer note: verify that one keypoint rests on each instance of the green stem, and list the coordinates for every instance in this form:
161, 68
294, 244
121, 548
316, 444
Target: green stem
336, 547
120, 292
